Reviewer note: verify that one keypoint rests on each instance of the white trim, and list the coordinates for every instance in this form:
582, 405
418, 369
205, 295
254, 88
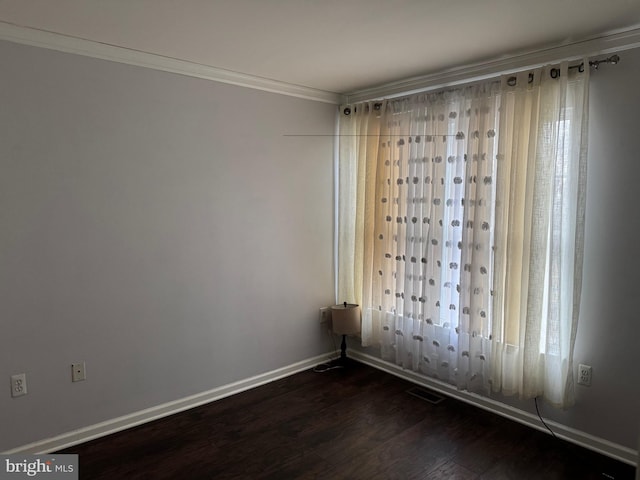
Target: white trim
118, 424
602, 45
124, 422
600, 445
89, 48
336, 201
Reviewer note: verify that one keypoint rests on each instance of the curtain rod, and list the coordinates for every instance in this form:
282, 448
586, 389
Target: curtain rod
613, 60
554, 72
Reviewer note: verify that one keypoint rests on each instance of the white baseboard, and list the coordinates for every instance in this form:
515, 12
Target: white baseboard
114, 425
600, 445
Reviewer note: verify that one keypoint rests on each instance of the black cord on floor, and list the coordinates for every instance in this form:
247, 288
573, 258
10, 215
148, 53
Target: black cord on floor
330, 365
578, 451
325, 367
535, 400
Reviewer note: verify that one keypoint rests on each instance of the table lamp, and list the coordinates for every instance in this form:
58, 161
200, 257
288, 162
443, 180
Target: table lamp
345, 320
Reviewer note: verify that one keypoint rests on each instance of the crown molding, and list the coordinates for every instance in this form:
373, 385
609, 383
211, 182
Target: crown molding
79, 46
604, 44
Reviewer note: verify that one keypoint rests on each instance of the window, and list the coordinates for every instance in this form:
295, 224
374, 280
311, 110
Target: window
460, 217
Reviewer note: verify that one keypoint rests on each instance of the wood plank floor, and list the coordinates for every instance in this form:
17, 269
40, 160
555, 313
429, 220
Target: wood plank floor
342, 424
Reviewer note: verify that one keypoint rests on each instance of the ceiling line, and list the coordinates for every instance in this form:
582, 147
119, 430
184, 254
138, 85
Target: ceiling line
601, 45
79, 46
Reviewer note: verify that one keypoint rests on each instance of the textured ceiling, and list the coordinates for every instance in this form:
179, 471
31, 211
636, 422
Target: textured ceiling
332, 45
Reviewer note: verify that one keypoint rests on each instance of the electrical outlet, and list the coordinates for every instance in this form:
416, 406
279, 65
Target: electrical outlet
78, 372
325, 314
584, 375
18, 385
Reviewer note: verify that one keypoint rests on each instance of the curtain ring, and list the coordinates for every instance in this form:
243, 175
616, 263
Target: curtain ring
555, 73
512, 81
530, 77
377, 106
347, 111
581, 67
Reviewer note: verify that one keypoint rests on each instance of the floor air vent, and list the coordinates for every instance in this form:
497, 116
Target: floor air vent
425, 394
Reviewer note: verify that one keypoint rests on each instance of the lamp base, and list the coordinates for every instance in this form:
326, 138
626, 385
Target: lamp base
343, 361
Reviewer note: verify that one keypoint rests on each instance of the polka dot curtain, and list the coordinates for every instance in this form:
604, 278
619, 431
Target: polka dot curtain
430, 187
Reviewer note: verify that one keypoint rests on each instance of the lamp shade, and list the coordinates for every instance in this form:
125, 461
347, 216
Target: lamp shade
345, 319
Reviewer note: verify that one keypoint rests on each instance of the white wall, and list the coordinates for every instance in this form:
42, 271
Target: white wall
160, 228
609, 330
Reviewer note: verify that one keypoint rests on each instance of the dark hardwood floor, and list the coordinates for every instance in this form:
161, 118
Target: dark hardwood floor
342, 424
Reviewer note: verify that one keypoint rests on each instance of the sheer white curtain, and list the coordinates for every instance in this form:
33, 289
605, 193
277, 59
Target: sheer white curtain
540, 228
416, 196
459, 215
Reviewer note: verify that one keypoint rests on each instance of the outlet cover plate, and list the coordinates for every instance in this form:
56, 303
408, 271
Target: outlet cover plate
584, 375
325, 315
78, 372
18, 385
